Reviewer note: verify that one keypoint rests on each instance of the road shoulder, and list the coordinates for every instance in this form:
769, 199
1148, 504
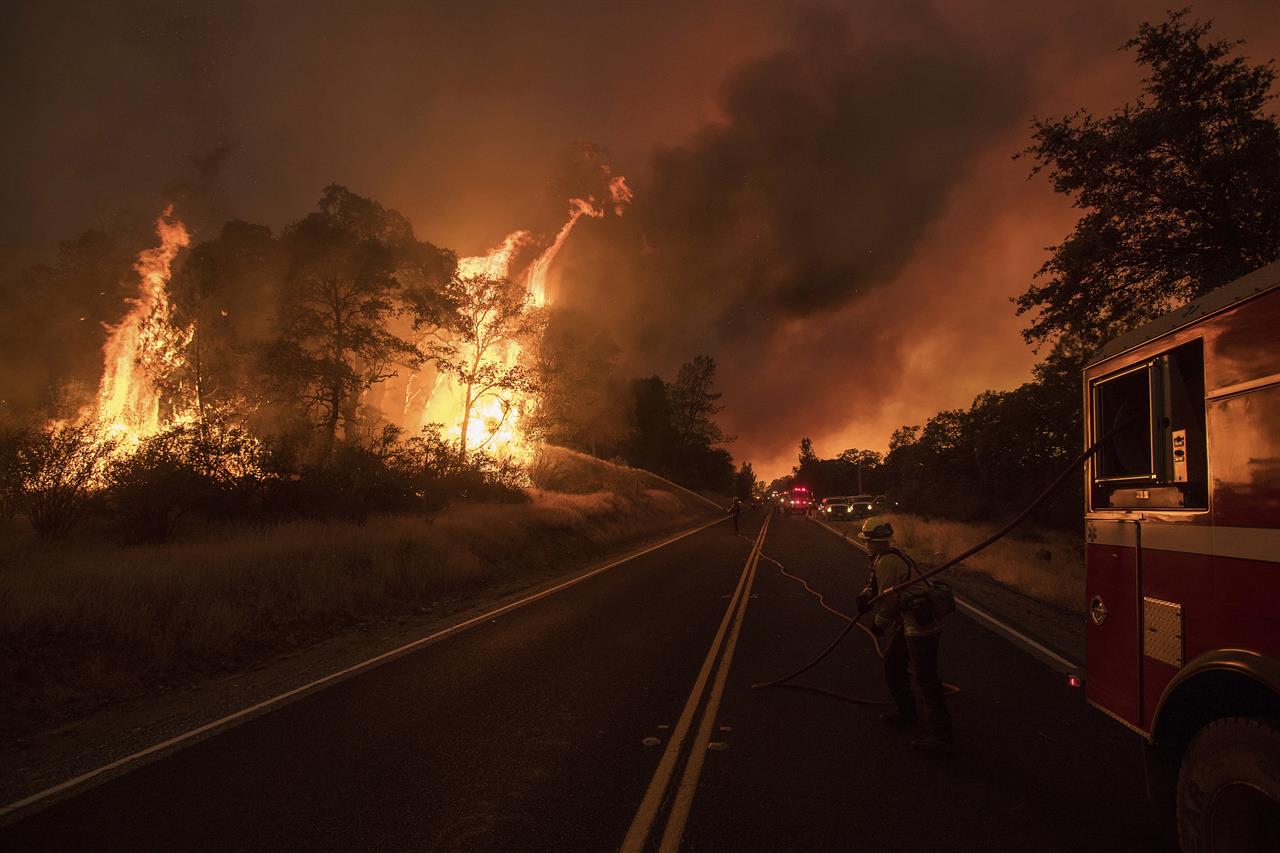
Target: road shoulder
50, 757
1061, 631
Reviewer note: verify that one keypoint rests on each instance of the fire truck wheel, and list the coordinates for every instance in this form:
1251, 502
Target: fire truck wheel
1229, 788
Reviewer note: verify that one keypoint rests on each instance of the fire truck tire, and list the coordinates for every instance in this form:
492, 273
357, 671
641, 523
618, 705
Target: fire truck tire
1229, 788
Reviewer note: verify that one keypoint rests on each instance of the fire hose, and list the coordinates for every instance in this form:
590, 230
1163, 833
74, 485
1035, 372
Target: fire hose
950, 689
785, 681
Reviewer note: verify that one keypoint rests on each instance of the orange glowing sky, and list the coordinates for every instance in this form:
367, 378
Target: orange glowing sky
455, 117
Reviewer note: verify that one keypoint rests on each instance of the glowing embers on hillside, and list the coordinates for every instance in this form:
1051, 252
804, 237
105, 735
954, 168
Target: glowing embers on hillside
145, 348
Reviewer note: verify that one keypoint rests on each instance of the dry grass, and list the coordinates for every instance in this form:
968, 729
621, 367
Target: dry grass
1046, 565
81, 626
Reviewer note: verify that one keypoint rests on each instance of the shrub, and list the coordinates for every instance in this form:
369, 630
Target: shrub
385, 474
212, 468
56, 469
11, 441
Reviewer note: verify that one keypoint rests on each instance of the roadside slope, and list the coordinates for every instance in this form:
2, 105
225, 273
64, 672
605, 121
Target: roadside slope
102, 648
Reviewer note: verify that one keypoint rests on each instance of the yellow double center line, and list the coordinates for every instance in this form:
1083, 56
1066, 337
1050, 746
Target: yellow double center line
726, 640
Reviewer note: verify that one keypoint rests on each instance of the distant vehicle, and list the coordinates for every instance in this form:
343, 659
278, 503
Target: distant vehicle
864, 505
798, 500
837, 508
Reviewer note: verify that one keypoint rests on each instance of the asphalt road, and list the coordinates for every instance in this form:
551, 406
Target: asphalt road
528, 732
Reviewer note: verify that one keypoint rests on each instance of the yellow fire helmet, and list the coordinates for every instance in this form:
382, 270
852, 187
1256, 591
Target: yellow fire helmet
872, 529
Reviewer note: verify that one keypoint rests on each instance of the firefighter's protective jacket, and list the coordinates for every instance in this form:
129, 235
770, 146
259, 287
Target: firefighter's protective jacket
892, 570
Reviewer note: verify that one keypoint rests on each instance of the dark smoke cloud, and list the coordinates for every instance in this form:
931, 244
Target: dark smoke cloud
107, 105
846, 239
832, 161
834, 157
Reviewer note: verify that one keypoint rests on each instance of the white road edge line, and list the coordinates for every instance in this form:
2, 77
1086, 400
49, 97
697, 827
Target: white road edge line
690, 491
647, 813
1032, 647
296, 692
996, 625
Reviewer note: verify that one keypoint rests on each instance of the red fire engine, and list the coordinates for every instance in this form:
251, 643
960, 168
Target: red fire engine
799, 500
1182, 531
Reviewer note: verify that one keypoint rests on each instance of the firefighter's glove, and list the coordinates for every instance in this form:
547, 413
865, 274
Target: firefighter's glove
864, 601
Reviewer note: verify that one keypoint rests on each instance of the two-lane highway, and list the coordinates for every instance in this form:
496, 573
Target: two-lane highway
619, 711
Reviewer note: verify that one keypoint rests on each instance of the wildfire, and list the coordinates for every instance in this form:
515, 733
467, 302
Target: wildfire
145, 347
145, 350
498, 261
494, 422
536, 277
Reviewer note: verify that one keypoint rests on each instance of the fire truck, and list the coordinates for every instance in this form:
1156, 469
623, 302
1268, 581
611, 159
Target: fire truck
1182, 530
798, 500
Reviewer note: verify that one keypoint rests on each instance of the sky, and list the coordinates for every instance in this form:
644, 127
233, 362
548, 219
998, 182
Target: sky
825, 195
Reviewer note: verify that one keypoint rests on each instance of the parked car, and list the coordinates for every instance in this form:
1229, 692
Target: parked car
837, 508
865, 505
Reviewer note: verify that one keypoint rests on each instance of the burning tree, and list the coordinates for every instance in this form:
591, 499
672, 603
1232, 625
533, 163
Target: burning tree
479, 348
341, 295
224, 289
147, 348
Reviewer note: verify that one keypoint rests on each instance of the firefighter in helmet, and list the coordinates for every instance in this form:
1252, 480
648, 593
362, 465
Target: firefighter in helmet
735, 510
912, 633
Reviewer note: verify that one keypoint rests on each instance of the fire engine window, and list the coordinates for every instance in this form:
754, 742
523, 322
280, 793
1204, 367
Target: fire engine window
1246, 458
1181, 453
1124, 404
1157, 457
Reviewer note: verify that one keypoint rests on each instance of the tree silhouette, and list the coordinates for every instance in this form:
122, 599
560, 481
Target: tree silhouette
694, 404
340, 295
1180, 190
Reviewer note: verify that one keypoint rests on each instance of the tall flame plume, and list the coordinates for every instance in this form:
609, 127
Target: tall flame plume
145, 347
494, 422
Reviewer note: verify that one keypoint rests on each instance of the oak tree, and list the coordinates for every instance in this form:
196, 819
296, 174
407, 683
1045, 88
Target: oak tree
339, 299
1180, 189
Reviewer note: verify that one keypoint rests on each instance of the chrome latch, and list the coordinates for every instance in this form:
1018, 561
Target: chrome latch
1097, 610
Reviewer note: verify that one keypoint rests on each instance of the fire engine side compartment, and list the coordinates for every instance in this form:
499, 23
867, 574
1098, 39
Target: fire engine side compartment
1211, 575
1112, 618
1184, 578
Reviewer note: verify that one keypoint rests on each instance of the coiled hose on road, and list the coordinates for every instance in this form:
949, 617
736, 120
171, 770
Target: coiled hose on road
785, 681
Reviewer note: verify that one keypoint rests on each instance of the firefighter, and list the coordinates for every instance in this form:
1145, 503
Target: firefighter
912, 633
736, 511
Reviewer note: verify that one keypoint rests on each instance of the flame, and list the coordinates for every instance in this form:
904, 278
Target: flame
536, 276
146, 346
494, 425
620, 192
497, 262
